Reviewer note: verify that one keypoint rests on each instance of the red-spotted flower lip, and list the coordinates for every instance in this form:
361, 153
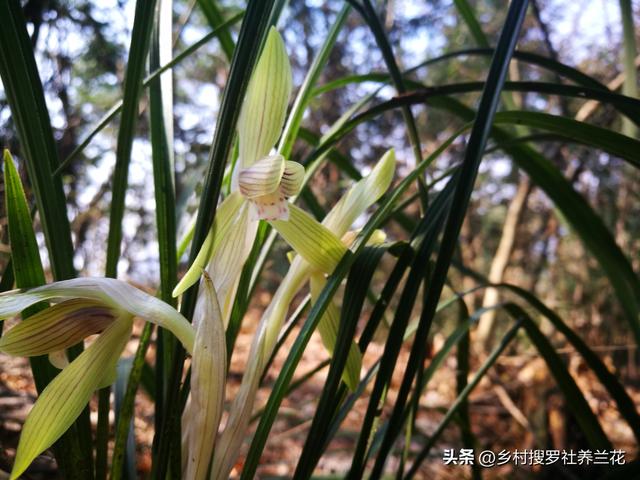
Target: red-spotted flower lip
268, 183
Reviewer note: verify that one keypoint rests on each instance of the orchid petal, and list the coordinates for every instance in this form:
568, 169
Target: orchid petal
208, 373
265, 103
313, 241
226, 217
264, 342
114, 293
64, 398
361, 196
59, 359
57, 328
292, 179
328, 328
261, 178
377, 237
225, 267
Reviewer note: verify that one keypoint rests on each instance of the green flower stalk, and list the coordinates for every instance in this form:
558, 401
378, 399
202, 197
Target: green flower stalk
85, 306
320, 251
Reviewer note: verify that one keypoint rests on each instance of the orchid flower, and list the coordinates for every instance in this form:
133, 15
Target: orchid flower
262, 182
261, 185
84, 307
317, 258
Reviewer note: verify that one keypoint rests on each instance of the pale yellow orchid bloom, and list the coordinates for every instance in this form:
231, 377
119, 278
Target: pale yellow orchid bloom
320, 249
261, 183
86, 306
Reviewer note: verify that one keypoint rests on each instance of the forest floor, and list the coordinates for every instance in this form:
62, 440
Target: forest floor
516, 407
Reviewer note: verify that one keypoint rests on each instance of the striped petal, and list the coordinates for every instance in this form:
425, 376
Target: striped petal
57, 328
208, 372
226, 265
361, 196
261, 178
65, 397
116, 294
292, 179
227, 216
313, 241
265, 103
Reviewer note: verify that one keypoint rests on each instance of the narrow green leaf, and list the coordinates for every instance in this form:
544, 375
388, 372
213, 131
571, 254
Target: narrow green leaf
24, 93
612, 142
372, 19
531, 58
464, 187
461, 398
466, 12
139, 47
28, 272
629, 52
292, 127
26, 262
579, 407
123, 373
355, 293
214, 16
124, 447
161, 129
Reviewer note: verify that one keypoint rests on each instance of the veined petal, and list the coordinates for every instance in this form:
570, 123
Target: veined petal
376, 238
328, 328
264, 341
65, 397
265, 103
226, 217
57, 328
361, 196
261, 178
226, 265
313, 241
292, 179
114, 293
208, 373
